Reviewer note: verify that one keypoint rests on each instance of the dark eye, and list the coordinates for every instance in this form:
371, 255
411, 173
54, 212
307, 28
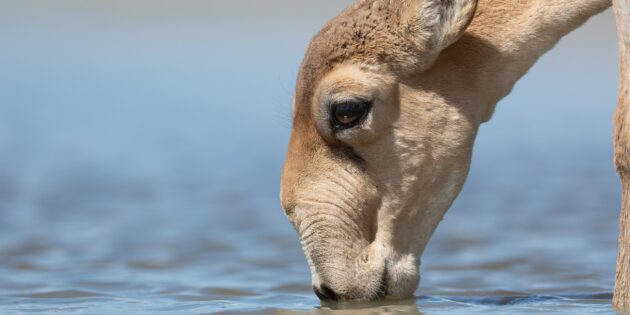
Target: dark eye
348, 114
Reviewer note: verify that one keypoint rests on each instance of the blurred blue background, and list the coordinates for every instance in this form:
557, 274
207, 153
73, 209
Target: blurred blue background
141, 144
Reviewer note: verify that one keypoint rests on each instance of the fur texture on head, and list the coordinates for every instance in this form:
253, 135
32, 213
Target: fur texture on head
404, 34
388, 103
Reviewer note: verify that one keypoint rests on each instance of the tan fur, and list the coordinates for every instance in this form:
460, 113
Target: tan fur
364, 225
621, 299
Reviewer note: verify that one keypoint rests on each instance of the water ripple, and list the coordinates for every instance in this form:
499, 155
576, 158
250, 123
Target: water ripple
62, 294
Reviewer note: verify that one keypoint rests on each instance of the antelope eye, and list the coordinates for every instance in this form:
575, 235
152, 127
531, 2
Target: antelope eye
349, 114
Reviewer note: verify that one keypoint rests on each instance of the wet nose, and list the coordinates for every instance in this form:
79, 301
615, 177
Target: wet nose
325, 293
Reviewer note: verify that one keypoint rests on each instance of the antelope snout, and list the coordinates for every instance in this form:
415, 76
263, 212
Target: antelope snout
327, 293
387, 278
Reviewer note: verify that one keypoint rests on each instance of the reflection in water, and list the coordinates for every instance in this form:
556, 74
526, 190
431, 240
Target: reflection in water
389, 307
375, 308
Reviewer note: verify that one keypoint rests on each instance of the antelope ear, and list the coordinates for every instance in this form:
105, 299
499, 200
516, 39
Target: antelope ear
433, 25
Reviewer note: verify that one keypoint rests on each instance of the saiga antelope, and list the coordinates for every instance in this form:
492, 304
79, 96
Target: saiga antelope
388, 102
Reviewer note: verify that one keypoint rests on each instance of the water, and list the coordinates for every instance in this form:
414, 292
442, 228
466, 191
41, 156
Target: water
140, 150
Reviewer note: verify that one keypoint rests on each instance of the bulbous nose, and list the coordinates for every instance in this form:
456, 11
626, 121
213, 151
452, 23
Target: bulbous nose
326, 294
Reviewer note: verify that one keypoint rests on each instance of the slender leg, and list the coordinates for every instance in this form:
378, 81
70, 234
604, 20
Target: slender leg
621, 300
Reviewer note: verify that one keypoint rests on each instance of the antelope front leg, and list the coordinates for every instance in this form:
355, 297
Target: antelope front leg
621, 300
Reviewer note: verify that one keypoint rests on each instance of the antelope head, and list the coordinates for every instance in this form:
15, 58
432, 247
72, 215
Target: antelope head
383, 129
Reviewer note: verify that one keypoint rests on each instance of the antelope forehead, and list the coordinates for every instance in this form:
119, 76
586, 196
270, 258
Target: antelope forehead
367, 32
351, 80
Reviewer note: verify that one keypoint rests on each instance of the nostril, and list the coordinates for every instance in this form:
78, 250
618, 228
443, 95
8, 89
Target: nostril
325, 293
328, 292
